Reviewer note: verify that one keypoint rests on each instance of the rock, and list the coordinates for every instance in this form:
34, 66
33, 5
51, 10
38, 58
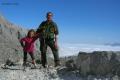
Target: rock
9, 63
99, 63
83, 63
115, 78
38, 61
9, 43
10, 46
70, 64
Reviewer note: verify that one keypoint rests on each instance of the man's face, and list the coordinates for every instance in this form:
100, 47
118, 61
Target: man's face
49, 17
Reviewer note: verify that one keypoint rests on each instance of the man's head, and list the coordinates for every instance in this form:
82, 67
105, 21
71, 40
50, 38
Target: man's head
49, 16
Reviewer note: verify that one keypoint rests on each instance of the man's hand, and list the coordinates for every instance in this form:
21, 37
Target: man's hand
56, 42
56, 45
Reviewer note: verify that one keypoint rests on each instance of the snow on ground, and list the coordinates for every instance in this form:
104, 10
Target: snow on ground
46, 74
36, 74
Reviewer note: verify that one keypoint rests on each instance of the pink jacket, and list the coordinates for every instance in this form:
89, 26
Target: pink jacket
29, 44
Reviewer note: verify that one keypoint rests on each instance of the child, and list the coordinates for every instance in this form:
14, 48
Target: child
28, 46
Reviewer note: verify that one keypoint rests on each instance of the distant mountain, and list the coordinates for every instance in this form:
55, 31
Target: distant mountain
113, 44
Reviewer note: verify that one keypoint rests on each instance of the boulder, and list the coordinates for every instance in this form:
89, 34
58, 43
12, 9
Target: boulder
98, 63
70, 64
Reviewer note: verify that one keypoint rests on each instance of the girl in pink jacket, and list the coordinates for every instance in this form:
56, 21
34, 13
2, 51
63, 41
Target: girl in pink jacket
28, 46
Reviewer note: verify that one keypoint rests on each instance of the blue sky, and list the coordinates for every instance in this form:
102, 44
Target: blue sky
79, 21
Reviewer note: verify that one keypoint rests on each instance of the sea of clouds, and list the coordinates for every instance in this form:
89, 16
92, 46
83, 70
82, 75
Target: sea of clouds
69, 49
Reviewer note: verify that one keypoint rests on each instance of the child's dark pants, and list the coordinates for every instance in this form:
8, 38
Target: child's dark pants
31, 55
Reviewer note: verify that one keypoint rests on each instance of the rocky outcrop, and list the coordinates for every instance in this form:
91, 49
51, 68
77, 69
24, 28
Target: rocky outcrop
99, 63
70, 64
10, 47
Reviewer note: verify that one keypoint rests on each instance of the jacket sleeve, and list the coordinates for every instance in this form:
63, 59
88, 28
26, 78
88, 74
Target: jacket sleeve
36, 37
39, 30
22, 42
56, 29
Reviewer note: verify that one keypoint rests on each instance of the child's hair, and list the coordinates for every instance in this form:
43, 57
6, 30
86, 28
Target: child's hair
31, 30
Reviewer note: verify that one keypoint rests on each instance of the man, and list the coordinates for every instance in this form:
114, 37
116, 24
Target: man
48, 37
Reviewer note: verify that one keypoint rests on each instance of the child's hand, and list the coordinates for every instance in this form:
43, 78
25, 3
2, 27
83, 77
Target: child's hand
22, 44
37, 34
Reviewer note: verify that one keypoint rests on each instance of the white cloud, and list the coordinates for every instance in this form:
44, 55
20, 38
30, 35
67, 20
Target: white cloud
73, 49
